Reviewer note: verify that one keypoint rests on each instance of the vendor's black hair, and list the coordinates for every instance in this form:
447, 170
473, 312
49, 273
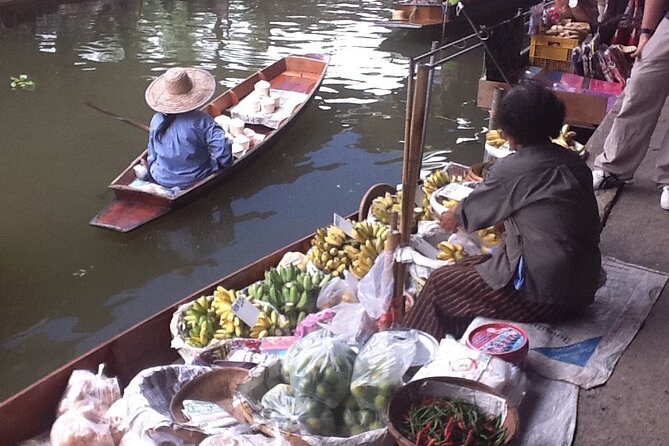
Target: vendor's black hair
530, 114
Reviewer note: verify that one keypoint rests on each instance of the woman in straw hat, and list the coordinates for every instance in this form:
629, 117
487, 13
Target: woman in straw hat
185, 144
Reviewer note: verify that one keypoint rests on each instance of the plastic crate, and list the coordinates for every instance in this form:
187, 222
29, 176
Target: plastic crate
552, 53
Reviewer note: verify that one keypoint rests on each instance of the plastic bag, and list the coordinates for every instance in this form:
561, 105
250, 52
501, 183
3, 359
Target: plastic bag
455, 359
117, 417
85, 388
351, 323
313, 322
323, 371
536, 12
338, 291
375, 290
297, 414
380, 366
289, 362
356, 420
84, 426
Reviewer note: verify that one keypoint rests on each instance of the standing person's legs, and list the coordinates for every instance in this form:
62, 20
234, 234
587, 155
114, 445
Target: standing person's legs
645, 94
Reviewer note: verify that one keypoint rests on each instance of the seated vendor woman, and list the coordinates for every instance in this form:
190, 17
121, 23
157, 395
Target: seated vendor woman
185, 144
548, 267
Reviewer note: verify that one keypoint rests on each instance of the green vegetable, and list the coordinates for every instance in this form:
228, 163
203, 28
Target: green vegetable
22, 82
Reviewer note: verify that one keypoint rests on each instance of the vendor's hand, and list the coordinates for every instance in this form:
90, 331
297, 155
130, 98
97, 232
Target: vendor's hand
448, 221
643, 40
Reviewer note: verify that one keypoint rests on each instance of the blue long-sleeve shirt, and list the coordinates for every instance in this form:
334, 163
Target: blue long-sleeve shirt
191, 148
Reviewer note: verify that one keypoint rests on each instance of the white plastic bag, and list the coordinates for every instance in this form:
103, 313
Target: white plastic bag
375, 290
85, 388
352, 323
83, 426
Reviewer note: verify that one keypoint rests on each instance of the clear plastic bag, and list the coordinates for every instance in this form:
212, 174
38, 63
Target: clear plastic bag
297, 414
86, 388
84, 426
375, 290
323, 371
356, 420
289, 361
352, 323
380, 366
338, 291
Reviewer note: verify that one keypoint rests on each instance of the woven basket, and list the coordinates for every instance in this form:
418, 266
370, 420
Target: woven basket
218, 386
414, 393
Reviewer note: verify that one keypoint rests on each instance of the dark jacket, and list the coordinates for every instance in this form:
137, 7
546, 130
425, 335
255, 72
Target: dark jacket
544, 196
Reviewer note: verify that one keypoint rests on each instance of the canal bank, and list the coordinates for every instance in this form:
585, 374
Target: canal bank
630, 407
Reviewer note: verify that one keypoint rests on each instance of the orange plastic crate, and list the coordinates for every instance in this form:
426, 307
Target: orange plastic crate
552, 53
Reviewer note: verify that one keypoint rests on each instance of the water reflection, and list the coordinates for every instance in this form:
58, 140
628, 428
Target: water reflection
67, 286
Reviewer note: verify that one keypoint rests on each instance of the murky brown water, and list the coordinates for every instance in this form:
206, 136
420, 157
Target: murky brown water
66, 286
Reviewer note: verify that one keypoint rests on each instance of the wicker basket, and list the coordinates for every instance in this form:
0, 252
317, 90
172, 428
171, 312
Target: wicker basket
218, 386
415, 392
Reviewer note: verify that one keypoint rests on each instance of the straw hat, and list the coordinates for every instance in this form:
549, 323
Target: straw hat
180, 90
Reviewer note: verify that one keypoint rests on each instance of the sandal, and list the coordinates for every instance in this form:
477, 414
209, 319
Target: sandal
605, 180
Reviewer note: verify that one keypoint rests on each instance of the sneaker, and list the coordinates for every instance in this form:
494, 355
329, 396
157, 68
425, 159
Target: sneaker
664, 198
605, 180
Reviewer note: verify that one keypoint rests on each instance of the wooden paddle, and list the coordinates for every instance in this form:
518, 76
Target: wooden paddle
120, 118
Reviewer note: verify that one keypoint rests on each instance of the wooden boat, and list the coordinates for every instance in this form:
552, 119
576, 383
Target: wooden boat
431, 14
32, 411
134, 206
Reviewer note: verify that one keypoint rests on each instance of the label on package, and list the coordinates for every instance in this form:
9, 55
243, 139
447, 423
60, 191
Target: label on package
455, 191
245, 311
343, 224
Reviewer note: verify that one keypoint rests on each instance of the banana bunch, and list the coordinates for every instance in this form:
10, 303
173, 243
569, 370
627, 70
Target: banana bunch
333, 252
327, 250
290, 290
269, 323
495, 138
489, 238
566, 139
371, 241
383, 207
200, 321
451, 251
434, 181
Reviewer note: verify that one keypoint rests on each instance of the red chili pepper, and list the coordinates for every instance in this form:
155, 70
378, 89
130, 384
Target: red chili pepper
448, 430
461, 425
419, 437
470, 438
448, 443
432, 442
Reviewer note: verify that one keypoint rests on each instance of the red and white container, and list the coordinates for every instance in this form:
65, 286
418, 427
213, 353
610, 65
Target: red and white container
500, 339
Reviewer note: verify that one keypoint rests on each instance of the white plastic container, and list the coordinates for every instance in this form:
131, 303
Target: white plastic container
243, 141
267, 105
277, 99
237, 150
223, 121
236, 127
254, 102
262, 88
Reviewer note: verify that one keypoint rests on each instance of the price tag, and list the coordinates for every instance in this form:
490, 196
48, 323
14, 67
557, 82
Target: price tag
425, 248
455, 191
343, 224
245, 311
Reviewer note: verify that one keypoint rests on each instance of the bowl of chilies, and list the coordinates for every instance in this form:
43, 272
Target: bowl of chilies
446, 411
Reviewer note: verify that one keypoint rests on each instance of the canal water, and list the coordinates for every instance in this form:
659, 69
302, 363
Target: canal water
66, 286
